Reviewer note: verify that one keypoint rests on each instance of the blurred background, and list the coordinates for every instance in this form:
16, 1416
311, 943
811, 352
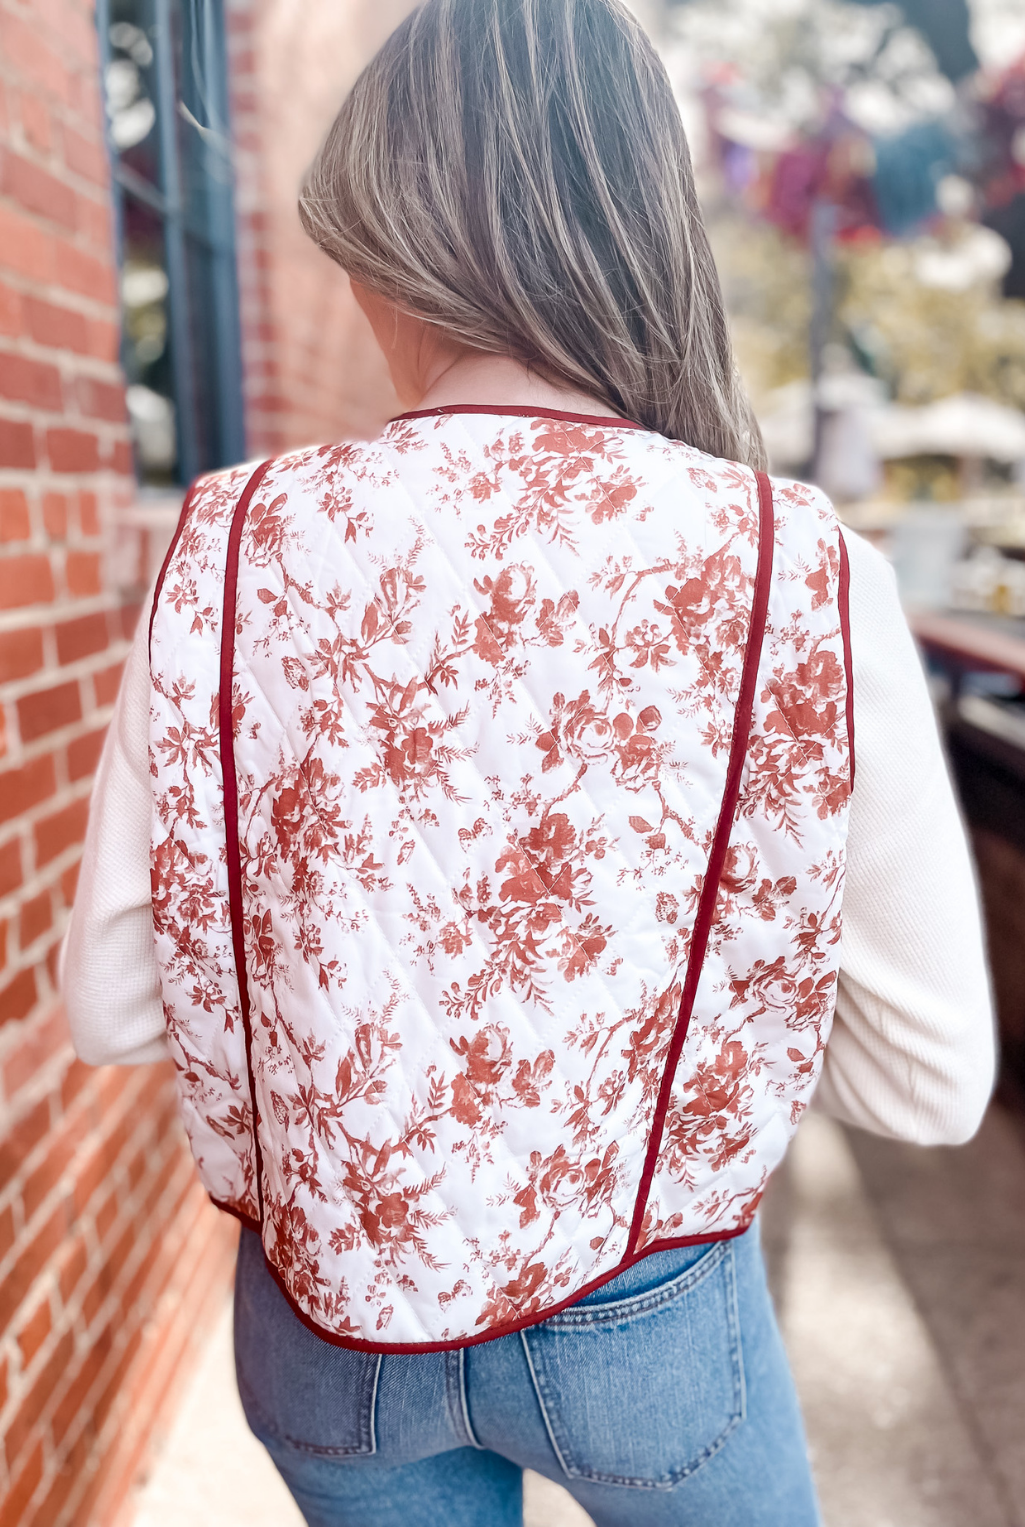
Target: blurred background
862, 169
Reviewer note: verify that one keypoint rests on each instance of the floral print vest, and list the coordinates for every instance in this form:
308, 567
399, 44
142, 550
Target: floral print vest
501, 772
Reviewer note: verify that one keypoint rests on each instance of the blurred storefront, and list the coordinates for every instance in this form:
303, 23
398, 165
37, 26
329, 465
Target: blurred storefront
863, 170
160, 313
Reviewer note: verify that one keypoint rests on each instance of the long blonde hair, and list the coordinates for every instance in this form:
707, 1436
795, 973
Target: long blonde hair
516, 171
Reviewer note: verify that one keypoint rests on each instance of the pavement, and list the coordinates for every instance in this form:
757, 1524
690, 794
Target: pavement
899, 1276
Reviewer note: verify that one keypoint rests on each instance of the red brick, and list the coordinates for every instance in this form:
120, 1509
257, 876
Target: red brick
21, 789
85, 274
90, 1177
88, 514
32, 1405
34, 918
69, 879
33, 1260
72, 450
14, 1508
61, 328
120, 1254
22, 1137
104, 339
55, 516
4, 925
24, 580
75, 1261
102, 1405
14, 519
17, 447
86, 157
93, 219
38, 191
78, 36
53, 954
30, 381
6, 1231
56, 833
51, 1169
18, 998
11, 312
48, 709
25, 247
21, 653
129, 619
3, 1383
35, 1331
81, 638
69, 1473
43, 1039
10, 867
82, 573
25, 50
76, 1078
101, 400
72, 1468
106, 684
84, 754
135, 1289
120, 459
36, 123
83, 1378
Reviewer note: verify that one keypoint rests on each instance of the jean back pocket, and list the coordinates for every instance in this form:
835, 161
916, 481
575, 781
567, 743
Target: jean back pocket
642, 1391
297, 1388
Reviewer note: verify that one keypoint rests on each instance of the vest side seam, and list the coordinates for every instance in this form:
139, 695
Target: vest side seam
704, 917
158, 589
229, 788
844, 602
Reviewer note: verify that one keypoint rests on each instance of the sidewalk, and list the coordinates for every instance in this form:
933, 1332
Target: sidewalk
899, 1277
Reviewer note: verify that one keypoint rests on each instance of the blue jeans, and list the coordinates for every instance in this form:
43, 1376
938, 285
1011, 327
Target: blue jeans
662, 1398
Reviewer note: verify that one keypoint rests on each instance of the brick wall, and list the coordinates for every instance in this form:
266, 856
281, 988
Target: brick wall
312, 369
110, 1255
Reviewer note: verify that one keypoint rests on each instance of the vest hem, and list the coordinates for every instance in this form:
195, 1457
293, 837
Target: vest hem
508, 1328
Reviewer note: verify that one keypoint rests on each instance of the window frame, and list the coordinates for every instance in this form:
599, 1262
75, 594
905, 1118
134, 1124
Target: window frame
215, 235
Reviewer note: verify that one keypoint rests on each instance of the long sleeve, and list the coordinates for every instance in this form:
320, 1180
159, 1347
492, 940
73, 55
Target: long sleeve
912, 1049
109, 974
912, 1052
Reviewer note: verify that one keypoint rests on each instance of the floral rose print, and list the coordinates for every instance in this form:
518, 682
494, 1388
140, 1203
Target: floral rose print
485, 673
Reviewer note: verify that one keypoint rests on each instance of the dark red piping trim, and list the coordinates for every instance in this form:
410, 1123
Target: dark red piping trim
720, 843
519, 410
229, 780
845, 629
356, 1344
186, 511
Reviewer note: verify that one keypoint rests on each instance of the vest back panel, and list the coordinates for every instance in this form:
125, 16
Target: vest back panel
484, 683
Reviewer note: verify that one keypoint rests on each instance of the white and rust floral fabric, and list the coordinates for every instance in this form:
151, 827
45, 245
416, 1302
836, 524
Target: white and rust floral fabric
456, 814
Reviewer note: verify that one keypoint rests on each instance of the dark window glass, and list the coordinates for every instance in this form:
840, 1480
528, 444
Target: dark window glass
165, 86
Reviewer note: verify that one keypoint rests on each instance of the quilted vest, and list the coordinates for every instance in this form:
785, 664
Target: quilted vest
501, 772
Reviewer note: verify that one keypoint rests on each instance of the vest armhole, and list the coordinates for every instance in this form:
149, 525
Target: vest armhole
844, 602
186, 510
229, 788
708, 899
